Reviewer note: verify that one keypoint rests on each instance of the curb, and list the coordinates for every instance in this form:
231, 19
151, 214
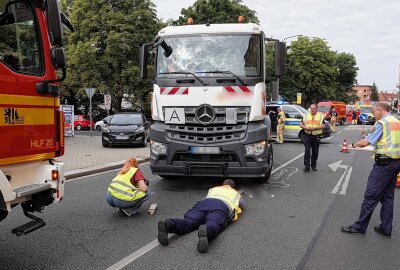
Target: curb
99, 168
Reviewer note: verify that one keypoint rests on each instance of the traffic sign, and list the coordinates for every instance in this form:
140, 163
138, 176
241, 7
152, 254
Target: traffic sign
107, 99
363, 117
90, 92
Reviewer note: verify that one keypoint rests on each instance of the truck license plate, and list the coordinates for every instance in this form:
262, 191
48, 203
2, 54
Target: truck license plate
205, 150
175, 116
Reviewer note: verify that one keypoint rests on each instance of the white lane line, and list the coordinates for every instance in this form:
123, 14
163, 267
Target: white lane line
286, 163
329, 138
346, 181
336, 188
135, 255
340, 132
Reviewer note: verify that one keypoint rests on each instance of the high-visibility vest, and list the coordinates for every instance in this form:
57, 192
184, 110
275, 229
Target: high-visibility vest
389, 143
281, 119
122, 189
229, 196
311, 122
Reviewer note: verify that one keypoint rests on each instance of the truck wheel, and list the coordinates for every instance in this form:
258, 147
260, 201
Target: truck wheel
78, 127
270, 161
168, 177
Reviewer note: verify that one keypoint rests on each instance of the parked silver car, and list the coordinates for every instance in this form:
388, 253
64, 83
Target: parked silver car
100, 124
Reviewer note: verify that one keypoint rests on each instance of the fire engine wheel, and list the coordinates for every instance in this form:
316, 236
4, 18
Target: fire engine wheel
78, 127
270, 161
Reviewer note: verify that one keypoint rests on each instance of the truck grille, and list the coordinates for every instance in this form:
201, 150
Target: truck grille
218, 131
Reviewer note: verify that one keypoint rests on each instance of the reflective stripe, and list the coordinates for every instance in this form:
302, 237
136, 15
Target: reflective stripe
122, 192
122, 183
311, 122
389, 143
121, 187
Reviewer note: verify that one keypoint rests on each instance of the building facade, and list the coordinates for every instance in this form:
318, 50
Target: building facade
363, 92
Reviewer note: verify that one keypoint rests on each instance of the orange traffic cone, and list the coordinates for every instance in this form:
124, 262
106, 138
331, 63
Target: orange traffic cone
344, 147
398, 181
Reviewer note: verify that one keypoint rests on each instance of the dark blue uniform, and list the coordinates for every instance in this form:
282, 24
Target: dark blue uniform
380, 188
212, 212
311, 145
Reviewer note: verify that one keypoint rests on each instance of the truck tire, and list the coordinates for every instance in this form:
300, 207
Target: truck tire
270, 161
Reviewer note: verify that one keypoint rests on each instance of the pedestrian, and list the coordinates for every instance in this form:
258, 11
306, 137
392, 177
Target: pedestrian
281, 125
272, 115
334, 117
354, 118
358, 115
349, 117
313, 126
210, 215
129, 189
382, 179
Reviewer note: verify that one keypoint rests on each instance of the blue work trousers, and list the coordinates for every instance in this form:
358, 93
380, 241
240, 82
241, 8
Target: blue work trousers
211, 212
311, 150
132, 206
380, 188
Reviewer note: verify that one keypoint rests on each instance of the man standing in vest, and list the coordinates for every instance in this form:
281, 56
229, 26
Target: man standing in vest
382, 179
211, 216
313, 126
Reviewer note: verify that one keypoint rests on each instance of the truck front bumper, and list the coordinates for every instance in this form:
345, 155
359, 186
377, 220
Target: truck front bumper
231, 161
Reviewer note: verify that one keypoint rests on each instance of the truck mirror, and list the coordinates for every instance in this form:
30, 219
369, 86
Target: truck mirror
58, 58
54, 23
144, 58
280, 58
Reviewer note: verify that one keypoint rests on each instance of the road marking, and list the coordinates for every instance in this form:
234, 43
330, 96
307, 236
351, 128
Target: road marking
286, 163
346, 181
336, 188
329, 138
340, 132
135, 255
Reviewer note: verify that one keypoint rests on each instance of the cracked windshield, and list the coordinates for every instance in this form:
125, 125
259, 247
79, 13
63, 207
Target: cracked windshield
239, 54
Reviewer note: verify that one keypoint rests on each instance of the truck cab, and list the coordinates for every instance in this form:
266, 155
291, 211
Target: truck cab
208, 101
31, 123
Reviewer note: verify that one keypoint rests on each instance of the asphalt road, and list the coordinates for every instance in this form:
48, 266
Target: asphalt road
291, 223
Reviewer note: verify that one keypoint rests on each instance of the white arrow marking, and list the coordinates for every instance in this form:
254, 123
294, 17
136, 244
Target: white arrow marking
347, 172
334, 166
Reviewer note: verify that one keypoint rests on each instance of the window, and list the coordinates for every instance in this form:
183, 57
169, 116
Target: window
19, 42
291, 112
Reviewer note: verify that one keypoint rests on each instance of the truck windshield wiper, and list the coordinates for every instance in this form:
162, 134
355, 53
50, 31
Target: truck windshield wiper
187, 73
227, 72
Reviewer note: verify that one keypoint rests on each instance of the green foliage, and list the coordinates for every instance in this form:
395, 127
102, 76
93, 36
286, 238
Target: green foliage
374, 92
216, 11
103, 52
318, 72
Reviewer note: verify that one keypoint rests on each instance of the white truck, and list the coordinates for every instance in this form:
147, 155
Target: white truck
208, 101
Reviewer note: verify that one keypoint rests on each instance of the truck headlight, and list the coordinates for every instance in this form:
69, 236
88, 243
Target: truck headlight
255, 149
158, 148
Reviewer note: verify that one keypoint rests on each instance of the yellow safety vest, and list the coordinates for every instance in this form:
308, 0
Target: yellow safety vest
229, 196
122, 189
311, 122
389, 143
281, 119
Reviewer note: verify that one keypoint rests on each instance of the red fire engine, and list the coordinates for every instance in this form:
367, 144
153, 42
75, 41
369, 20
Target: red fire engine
31, 122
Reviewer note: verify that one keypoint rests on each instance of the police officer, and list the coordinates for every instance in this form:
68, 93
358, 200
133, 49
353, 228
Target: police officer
210, 215
281, 126
382, 179
313, 125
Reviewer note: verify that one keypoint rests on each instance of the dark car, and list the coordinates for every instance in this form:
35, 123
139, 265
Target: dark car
129, 128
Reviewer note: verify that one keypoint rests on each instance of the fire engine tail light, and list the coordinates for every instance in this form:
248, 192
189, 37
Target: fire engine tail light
54, 175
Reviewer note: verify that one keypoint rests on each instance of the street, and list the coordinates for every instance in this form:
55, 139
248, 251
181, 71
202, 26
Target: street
293, 222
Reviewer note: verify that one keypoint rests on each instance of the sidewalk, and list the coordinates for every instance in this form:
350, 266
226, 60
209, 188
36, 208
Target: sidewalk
85, 155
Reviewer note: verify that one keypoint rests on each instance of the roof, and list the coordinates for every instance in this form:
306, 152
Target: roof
234, 28
383, 96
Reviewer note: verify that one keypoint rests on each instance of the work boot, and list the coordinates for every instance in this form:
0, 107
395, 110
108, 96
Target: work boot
381, 232
306, 169
314, 168
163, 232
202, 245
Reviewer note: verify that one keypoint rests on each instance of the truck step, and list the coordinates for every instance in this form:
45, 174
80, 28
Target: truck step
28, 227
31, 189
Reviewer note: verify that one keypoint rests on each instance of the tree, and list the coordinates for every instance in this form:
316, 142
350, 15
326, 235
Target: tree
216, 11
103, 52
311, 71
318, 72
374, 93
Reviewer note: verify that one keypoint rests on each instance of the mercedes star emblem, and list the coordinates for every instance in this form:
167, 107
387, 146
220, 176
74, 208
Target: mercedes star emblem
205, 114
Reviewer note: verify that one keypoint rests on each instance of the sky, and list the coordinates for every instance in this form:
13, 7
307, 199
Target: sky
368, 29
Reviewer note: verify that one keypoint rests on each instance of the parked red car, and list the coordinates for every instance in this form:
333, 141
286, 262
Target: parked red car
82, 121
